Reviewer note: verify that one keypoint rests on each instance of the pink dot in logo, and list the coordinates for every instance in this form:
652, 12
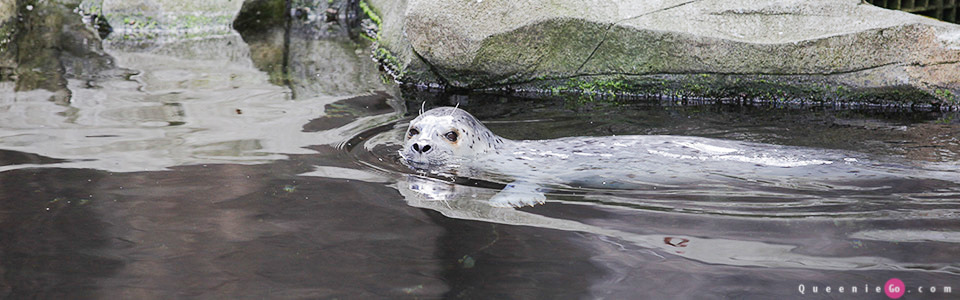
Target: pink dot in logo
894, 288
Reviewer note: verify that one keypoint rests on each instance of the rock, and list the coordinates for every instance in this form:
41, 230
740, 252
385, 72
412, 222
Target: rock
394, 49
809, 50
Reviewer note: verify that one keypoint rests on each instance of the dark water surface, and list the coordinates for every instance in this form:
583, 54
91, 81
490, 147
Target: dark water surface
190, 169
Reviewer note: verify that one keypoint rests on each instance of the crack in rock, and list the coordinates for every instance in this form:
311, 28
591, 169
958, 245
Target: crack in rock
602, 39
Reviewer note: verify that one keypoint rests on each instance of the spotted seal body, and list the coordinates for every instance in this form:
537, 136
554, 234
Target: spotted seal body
450, 140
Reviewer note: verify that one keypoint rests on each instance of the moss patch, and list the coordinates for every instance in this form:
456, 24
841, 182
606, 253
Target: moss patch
388, 60
748, 88
370, 14
559, 49
947, 96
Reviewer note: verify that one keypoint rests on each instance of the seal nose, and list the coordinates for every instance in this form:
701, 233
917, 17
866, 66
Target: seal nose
421, 149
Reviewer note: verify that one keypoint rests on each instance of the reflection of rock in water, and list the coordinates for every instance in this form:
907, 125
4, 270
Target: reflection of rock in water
154, 21
311, 55
52, 46
173, 99
164, 99
180, 65
331, 67
8, 26
192, 100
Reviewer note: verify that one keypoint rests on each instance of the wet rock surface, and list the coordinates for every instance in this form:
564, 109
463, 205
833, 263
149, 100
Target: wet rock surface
808, 50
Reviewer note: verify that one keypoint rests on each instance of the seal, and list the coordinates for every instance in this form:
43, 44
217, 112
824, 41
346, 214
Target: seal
450, 141
448, 137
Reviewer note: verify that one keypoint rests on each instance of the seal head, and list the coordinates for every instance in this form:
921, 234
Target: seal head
446, 137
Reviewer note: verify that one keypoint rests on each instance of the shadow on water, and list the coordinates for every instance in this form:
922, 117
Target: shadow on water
262, 164
52, 239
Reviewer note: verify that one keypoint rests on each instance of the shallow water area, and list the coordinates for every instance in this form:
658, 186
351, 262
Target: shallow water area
191, 168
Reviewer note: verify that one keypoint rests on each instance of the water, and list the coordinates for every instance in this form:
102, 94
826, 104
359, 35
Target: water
189, 169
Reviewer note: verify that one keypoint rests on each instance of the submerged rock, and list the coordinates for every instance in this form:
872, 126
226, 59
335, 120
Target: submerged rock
808, 50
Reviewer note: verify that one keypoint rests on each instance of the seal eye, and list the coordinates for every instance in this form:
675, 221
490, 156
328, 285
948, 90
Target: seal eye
414, 131
452, 136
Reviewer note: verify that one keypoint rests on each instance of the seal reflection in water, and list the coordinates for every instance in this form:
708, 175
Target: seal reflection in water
450, 141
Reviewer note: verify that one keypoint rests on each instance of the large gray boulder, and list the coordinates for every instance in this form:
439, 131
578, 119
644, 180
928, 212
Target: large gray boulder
813, 49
